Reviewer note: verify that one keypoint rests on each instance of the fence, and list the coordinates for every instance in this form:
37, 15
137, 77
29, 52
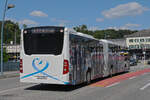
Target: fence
11, 66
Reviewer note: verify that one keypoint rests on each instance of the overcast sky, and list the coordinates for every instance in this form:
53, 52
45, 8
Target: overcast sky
96, 14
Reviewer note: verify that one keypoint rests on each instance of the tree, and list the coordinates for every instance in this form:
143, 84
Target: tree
10, 29
5, 55
24, 26
104, 34
81, 28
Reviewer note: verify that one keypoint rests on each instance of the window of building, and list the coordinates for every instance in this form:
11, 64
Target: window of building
130, 40
148, 40
141, 40
136, 40
131, 46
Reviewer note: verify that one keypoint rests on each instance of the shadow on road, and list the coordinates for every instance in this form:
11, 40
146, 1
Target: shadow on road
65, 88
53, 87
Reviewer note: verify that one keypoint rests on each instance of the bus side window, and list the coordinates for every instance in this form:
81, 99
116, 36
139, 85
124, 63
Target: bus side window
109, 48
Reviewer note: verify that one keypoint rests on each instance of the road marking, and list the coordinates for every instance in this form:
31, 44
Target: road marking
113, 85
132, 78
119, 78
145, 86
17, 88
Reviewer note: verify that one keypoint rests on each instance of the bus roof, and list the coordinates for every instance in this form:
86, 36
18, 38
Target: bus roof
71, 31
111, 42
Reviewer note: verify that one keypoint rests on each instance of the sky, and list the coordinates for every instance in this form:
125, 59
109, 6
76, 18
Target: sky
96, 14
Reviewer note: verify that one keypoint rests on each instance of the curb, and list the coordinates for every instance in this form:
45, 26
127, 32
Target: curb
9, 75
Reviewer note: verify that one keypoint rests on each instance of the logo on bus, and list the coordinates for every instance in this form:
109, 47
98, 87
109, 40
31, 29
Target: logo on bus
40, 65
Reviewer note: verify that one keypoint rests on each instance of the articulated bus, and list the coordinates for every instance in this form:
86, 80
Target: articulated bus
57, 55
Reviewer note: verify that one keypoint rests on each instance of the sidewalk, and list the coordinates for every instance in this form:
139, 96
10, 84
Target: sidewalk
10, 74
140, 66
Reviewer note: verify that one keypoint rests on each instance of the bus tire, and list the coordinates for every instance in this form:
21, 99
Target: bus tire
88, 77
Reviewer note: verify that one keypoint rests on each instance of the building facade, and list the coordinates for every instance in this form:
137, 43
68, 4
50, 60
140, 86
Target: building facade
139, 43
13, 51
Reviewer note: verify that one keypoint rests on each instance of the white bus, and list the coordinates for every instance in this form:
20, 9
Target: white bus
57, 55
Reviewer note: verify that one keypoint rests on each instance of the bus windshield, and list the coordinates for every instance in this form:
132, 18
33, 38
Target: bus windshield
43, 42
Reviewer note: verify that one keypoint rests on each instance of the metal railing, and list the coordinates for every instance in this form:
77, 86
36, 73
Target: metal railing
11, 66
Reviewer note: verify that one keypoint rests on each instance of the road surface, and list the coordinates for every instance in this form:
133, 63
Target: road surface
126, 86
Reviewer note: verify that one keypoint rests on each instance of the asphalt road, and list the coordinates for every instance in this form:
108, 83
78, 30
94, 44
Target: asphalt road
133, 88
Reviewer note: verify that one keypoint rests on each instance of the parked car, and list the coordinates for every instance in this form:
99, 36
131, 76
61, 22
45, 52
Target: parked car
148, 62
133, 62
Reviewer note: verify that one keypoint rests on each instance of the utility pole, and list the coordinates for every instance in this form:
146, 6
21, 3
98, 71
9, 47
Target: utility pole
2, 30
15, 45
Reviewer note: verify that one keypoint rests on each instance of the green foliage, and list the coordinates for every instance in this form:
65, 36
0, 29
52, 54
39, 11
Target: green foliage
98, 34
81, 28
24, 26
10, 29
103, 34
5, 55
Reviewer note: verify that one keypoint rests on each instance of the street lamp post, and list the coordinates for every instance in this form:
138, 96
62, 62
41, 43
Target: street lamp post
144, 52
143, 47
2, 31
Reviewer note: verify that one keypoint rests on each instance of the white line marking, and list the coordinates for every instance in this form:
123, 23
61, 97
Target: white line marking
17, 88
113, 85
132, 78
145, 86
